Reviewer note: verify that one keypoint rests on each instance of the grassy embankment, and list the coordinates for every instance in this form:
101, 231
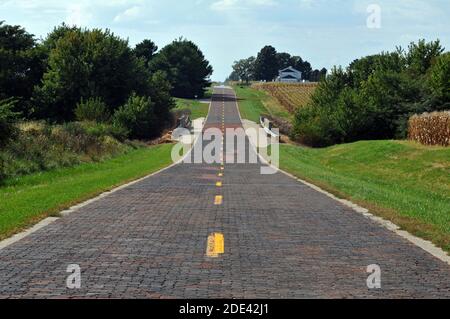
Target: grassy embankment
197, 109
401, 181
27, 199
254, 103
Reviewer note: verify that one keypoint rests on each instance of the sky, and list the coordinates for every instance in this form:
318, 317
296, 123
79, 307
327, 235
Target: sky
324, 32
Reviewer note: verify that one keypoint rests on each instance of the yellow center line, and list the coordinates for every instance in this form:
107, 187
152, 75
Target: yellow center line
219, 184
218, 200
215, 245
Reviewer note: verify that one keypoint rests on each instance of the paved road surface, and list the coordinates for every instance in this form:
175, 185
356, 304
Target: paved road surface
282, 240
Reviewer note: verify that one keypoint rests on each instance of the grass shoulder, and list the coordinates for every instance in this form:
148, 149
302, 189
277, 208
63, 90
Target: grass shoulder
254, 103
404, 182
27, 199
196, 108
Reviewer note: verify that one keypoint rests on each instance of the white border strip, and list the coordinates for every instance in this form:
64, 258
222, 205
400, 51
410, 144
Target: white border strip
426, 245
47, 221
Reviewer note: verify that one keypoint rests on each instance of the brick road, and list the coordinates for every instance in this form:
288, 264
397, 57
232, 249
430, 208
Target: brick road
282, 240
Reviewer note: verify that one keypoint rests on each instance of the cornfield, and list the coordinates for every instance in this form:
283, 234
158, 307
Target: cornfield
290, 95
430, 128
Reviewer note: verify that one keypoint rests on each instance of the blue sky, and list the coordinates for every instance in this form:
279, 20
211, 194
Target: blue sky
324, 32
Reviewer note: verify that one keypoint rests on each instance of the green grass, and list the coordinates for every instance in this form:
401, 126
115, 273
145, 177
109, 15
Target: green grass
254, 103
198, 110
401, 181
28, 199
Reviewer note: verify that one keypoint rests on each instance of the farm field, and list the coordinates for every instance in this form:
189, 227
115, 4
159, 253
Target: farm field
290, 95
253, 103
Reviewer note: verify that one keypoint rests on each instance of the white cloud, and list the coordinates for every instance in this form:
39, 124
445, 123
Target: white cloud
129, 14
78, 15
225, 5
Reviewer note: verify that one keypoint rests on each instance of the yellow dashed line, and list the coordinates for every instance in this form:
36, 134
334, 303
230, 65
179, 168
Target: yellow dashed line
215, 245
218, 200
219, 184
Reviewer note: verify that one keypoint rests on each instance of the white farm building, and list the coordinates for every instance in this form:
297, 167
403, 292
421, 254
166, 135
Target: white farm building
289, 75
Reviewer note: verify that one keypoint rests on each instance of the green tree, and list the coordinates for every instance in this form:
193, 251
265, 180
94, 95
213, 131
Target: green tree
146, 50
266, 64
421, 55
86, 64
159, 90
93, 109
303, 66
439, 78
375, 96
21, 65
138, 117
245, 69
284, 60
186, 67
7, 120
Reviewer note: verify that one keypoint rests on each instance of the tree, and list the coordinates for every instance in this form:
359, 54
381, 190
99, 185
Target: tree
53, 37
439, 78
233, 77
375, 96
8, 119
88, 64
303, 66
186, 67
146, 50
137, 116
284, 60
266, 64
245, 69
21, 66
159, 91
421, 55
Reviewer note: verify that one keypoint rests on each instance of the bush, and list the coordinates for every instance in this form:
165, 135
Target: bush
39, 146
137, 116
375, 97
7, 120
430, 128
93, 109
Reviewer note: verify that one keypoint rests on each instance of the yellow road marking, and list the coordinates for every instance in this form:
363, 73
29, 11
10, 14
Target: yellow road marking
220, 175
218, 200
215, 245
219, 184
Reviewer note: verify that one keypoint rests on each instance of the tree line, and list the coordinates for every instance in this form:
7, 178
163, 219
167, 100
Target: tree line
78, 74
268, 62
374, 97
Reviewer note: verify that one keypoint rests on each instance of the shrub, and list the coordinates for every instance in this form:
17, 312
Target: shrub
7, 120
93, 109
38, 146
430, 128
137, 116
375, 97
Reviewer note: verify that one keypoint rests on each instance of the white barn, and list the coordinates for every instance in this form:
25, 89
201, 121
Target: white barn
289, 75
